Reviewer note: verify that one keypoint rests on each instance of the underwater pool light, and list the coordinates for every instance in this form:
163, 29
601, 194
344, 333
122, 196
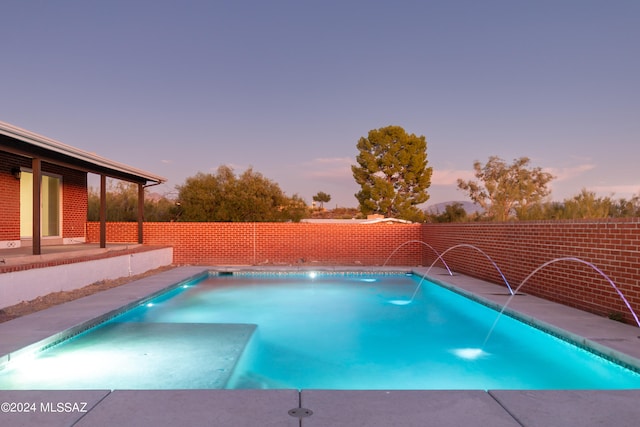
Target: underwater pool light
469, 353
313, 274
400, 301
149, 304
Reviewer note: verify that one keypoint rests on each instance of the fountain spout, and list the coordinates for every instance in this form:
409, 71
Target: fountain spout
466, 245
626, 302
423, 243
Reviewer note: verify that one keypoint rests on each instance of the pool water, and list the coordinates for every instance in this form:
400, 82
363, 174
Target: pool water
335, 331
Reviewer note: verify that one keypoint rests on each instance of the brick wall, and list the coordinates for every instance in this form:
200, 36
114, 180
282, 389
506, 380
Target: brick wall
74, 200
517, 248
10, 194
275, 243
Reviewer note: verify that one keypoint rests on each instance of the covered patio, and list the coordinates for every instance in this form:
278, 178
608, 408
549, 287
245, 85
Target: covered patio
44, 186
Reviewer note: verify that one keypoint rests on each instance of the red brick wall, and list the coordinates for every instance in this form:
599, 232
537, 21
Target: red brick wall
74, 197
275, 243
74, 200
10, 195
519, 248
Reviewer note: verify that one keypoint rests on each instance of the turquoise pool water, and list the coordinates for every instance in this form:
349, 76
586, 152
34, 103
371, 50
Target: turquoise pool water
335, 331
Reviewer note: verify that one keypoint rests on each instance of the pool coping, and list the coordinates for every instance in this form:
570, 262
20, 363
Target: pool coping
329, 407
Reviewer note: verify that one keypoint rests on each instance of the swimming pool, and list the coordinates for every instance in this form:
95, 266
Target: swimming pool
331, 331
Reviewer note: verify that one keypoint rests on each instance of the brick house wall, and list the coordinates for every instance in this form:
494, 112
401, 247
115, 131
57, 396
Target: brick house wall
10, 194
517, 248
74, 198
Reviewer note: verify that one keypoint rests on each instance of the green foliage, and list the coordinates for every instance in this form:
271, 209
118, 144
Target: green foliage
541, 211
337, 213
507, 191
160, 210
392, 173
623, 208
453, 212
122, 204
223, 197
586, 205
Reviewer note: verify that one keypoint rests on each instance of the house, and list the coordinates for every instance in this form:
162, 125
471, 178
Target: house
44, 194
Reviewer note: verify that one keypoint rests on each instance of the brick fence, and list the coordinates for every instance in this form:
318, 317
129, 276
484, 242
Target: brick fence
221, 243
520, 248
517, 248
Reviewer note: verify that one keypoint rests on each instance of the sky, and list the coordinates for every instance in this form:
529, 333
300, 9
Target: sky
287, 87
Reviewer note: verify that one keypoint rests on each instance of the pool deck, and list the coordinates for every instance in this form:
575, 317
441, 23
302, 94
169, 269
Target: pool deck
331, 408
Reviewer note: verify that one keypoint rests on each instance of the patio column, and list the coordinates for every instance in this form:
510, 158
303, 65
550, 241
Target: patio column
36, 165
103, 211
140, 211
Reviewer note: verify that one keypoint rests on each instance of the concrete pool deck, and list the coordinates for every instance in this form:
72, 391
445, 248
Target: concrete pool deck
370, 408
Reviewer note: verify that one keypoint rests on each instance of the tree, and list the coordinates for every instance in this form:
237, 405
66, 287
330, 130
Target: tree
544, 210
122, 204
505, 191
624, 208
392, 173
226, 198
322, 198
586, 205
453, 212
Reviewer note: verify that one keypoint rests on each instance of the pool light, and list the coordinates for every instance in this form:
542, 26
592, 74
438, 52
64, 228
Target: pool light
469, 353
313, 275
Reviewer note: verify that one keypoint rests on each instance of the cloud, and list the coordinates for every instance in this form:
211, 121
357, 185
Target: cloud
339, 168
450, 176
329, 167
166, 162
562, 174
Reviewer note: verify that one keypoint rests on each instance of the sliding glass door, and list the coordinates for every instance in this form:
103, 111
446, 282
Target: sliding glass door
50, 204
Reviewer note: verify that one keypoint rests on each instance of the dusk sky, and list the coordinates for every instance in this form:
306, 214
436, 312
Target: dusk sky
288, 87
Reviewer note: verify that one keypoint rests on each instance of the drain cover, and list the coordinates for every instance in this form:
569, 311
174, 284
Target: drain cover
300, 412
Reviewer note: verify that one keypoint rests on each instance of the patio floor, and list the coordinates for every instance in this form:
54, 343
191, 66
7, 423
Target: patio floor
23, 257
370, 408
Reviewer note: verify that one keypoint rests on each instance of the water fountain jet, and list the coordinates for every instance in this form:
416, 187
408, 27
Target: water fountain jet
440, 257
423, 243
626, 302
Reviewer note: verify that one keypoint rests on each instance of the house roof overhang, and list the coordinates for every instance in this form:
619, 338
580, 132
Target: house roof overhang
28, 144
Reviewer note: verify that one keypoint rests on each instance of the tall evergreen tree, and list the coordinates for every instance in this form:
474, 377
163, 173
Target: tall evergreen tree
392, 173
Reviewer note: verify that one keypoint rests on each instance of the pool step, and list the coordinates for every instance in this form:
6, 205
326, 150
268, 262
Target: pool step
135, 355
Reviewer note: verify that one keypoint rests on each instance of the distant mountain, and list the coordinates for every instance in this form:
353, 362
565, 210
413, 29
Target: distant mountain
439, 208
